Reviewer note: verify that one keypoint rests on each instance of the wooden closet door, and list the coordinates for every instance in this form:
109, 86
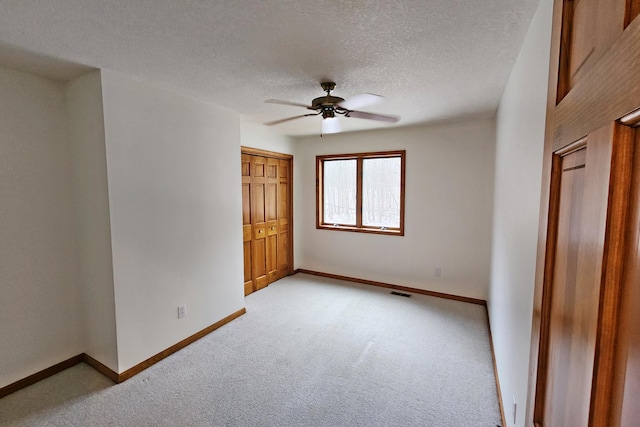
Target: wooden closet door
266, 222
586, 348
284, 207
247, 230
583, 181
259, 222
271, 209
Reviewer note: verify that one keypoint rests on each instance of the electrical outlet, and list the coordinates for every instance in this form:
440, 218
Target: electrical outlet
182, 311
437, 272
515, 409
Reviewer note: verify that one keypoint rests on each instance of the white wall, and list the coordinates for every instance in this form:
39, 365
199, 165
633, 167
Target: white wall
265, 138
40, 299
176, 224
448, 210
520, 140
84, 104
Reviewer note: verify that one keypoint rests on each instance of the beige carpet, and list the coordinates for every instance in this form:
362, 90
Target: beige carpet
309, 352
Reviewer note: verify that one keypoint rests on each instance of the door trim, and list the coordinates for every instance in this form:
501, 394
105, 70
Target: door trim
265, 153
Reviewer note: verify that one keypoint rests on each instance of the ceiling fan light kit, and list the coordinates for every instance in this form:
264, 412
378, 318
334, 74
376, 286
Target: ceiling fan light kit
328, 106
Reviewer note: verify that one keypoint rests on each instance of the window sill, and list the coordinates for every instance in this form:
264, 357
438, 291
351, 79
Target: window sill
371, 230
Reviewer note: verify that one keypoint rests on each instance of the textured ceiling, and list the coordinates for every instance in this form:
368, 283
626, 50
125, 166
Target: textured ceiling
432, 60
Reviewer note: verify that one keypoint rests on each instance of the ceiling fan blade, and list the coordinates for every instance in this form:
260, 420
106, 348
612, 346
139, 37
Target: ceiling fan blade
295, 104
277, 122
371, 116
359, 101
331, 125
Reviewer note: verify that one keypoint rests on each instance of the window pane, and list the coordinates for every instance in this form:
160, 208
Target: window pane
339, 192
381, 192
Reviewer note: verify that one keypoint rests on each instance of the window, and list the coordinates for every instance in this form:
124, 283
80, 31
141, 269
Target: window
361, 192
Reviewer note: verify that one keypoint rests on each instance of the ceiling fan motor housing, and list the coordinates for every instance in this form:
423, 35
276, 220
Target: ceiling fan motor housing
327, 104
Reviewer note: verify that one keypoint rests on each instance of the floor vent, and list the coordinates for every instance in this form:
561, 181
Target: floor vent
400, 294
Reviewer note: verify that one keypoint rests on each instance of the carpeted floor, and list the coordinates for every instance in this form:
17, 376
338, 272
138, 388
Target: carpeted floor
309, 352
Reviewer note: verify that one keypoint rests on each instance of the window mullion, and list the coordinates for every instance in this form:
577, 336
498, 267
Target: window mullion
320, 191
359, 193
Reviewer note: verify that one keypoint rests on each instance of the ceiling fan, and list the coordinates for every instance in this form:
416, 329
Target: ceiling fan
330, 106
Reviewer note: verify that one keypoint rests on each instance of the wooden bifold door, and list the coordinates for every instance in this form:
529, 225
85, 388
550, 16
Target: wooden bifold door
266, 218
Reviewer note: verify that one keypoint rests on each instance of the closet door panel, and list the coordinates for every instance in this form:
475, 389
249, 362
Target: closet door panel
283, 254
284, 209
570, 343
259, 244
577, 279
591, 26
247, 231
271, 209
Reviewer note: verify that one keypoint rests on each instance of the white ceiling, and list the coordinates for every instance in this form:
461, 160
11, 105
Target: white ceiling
433, 60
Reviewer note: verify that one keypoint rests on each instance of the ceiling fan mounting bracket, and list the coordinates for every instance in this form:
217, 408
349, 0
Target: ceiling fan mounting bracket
328, 86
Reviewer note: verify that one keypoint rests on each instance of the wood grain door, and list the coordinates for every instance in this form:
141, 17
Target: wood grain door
266, 212
247, 229
625, 394
569, 362
271, 209
589, 287
284, 209
582, 172
259, 222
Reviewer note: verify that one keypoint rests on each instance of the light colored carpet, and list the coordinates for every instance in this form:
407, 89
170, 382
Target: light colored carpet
309, 352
